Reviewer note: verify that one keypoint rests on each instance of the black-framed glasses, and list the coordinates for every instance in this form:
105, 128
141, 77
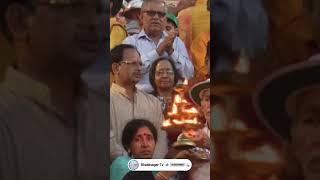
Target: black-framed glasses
162, 72
132, 63
153, 13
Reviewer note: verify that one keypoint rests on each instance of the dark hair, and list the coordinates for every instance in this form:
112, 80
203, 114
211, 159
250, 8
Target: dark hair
4, 4
117, 52
117, 4
131, 129
171, 22
152, 72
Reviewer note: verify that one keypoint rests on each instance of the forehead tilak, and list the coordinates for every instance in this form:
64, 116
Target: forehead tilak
144, 134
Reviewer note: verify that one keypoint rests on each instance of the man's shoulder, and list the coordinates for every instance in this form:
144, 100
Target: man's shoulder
148, 96
131, 39
179, 40
114, 93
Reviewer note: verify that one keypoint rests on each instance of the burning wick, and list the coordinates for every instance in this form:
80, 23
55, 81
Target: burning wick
174, 110
191, 110
166, 123
177, 99
185, 82
192, 121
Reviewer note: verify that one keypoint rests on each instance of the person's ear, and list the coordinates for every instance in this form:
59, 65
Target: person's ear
115, 68
19, 21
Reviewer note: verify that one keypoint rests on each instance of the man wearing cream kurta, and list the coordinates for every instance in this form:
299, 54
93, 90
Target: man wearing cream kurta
127, 102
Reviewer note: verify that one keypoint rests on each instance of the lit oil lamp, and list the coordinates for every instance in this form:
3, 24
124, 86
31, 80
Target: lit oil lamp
183, 116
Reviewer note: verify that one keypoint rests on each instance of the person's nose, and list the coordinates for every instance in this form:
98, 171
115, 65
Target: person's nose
144, 143
156, 16
139, 67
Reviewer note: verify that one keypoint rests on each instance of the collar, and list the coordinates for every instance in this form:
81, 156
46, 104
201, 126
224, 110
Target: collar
143, 34
121, 90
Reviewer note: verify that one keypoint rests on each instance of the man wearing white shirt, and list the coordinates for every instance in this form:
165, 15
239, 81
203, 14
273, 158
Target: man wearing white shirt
153, 42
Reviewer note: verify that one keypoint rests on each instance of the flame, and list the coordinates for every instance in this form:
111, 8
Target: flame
191, 121
174, 110
177, 99
177, 122
166, 123
185, 82
181, 105
192, 110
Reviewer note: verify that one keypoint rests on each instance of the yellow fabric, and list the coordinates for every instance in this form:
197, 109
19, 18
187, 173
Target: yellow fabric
117, 33
198, 52
185, 32
201, 2
200, 19
193, 21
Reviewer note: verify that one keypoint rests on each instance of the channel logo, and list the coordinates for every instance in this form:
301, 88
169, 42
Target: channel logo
159, 165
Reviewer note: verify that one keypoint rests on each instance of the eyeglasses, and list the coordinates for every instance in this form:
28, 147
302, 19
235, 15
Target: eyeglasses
153, 13
132, 63
161, 73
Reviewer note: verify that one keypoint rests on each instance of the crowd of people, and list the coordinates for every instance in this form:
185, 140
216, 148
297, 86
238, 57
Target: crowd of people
53, 125
149, 59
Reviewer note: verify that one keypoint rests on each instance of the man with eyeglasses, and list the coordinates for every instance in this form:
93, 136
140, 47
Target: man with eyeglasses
153, 42
52, 126
127, 102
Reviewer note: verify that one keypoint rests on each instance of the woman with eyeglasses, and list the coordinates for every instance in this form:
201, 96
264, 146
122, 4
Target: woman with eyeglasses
163, 78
